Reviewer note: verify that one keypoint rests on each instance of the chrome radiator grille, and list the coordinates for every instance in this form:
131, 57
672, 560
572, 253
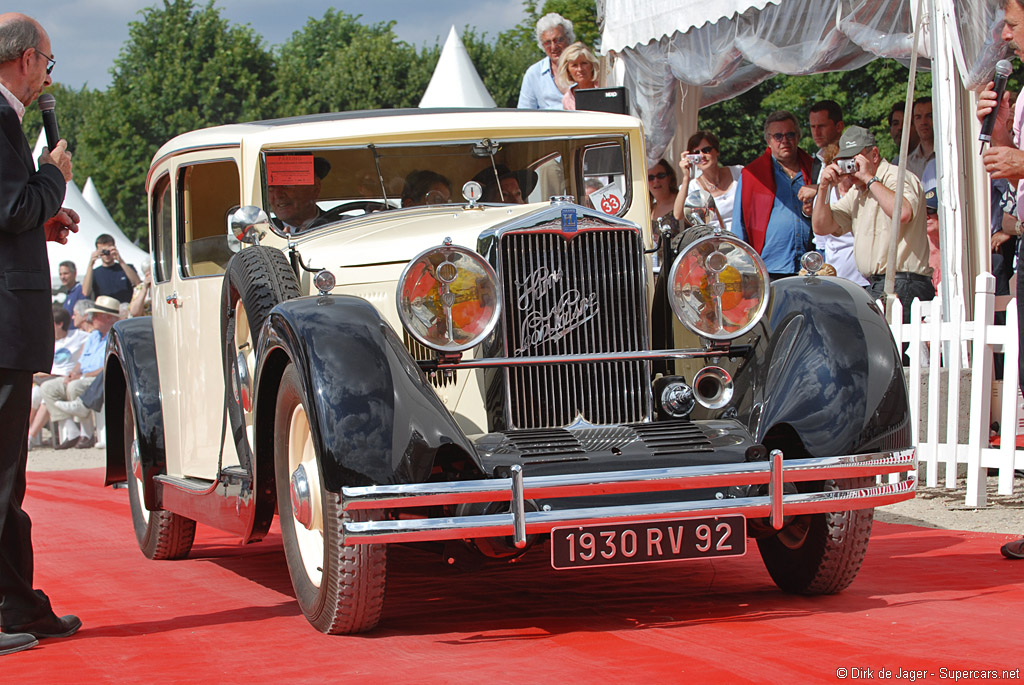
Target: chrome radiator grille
584, 294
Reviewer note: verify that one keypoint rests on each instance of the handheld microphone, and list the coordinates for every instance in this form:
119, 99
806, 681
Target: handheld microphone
46, 104
1003, 69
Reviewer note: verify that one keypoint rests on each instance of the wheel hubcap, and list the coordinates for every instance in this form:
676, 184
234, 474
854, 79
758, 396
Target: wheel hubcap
137, 474
244, 359
305, 495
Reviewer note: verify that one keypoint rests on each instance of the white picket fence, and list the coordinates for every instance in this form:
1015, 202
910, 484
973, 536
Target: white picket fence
943, 354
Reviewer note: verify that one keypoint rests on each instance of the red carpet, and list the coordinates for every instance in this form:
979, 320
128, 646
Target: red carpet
925, 599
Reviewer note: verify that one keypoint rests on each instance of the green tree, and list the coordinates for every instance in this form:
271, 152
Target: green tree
183, 67
865, 95
338, 64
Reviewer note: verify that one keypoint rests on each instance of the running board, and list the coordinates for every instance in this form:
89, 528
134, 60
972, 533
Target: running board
227, 506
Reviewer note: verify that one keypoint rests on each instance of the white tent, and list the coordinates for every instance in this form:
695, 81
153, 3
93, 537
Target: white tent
455, 82
82, 244
680, 55
92, 196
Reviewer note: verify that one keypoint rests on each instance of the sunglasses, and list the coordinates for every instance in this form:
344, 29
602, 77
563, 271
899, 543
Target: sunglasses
931, 212
706, 150
779, 137
50, 61
660, 175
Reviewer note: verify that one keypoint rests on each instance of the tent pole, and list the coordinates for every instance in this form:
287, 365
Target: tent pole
901, 173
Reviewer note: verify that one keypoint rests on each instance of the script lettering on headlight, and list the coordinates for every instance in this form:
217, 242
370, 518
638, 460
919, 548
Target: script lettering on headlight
551, 321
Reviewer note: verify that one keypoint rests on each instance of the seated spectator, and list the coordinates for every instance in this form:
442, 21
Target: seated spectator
66, 349
577, 68
112, 277
70, 288
142, 303
661, 180
425, 187
61, 394
79, 319
501, 184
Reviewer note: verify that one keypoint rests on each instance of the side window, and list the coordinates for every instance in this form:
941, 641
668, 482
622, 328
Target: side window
162, 232
604, 178
207, 193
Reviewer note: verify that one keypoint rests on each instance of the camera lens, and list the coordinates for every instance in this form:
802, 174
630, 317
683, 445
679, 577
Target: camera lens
105, 253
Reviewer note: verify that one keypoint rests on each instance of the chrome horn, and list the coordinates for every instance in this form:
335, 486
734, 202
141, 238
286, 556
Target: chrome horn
712, 387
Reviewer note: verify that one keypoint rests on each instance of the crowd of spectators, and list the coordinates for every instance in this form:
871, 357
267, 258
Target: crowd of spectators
67, 398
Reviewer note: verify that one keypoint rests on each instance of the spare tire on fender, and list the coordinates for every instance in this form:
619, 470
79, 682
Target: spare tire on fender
257, 279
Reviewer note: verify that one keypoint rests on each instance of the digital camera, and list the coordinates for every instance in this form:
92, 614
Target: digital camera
693, 159
847, 166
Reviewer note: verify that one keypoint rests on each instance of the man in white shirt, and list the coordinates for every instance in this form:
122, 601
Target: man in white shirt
554, 34
826, 123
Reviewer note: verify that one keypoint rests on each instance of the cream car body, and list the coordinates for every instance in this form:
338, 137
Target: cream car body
485, 376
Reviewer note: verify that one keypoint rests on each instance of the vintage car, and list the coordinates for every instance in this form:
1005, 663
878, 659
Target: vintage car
440, 365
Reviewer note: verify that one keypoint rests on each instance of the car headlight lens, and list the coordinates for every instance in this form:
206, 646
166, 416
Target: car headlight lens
448, 298
718, 287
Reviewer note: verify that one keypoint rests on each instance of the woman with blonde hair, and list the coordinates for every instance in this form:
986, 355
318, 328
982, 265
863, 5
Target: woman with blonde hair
577, 68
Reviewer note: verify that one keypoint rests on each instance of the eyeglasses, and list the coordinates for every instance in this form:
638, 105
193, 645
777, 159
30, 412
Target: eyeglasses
561, 40
50, 61
706, 150
930, 211
660, 175
779, 137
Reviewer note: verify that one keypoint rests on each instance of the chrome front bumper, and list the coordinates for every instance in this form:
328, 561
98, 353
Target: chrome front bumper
519, 522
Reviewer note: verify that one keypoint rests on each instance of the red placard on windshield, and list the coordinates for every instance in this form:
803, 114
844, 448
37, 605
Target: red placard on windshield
290, 170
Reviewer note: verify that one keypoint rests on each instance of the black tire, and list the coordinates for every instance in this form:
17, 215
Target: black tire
339, 589
256, 280
160, 534
820, 554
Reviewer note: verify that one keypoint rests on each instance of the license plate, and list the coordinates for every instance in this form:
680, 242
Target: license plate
648, 541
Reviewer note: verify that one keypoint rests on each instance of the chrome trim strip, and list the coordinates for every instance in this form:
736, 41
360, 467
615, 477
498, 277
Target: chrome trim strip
774, 504
538, 522
594, 357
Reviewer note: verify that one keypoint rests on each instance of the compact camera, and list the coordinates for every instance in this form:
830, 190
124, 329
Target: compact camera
693, 159
847, 166
105, 253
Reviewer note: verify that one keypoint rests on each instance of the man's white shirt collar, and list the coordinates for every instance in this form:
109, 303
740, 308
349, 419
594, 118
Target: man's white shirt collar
14, 102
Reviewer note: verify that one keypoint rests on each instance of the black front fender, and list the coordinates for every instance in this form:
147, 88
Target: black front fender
827, 366
374, 417
131, 368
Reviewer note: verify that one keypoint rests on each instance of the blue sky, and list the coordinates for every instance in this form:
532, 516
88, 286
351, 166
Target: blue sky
87, 35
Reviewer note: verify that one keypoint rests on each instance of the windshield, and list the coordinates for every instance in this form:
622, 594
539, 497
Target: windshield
310, 187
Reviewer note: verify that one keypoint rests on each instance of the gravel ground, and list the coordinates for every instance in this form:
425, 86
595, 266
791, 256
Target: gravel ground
931, 508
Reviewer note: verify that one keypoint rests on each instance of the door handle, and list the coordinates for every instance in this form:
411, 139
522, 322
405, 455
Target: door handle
172, 299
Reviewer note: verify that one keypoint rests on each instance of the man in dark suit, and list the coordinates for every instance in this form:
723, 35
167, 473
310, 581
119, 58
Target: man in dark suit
30, 215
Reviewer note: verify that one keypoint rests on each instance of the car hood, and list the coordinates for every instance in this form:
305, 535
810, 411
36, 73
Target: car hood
399, 235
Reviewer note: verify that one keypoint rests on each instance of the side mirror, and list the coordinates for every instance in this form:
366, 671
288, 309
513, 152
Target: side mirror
699, 208
244, 224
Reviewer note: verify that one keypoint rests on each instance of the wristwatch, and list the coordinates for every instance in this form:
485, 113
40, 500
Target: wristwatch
874, 179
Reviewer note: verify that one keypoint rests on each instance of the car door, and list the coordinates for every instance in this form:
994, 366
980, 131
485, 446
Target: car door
193, 253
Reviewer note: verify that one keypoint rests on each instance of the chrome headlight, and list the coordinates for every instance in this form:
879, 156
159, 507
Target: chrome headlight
448, 298
718, 287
